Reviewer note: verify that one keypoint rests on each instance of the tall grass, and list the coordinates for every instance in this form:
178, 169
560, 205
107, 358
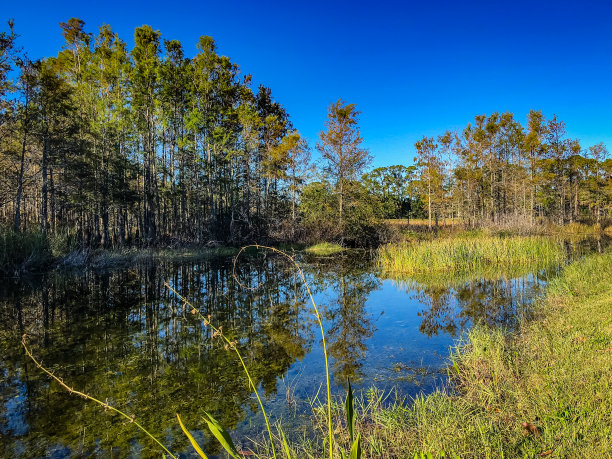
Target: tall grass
463, 254
22, 251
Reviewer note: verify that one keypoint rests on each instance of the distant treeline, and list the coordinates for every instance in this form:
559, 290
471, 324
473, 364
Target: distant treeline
497, 171
108, 147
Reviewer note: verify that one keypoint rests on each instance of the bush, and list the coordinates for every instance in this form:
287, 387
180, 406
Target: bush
361, 225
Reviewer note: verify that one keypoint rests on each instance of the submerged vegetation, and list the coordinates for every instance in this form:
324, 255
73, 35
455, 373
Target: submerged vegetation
476, 254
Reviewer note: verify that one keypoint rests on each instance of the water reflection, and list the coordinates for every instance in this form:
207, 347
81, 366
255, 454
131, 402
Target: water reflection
499, 302
349, 285
122, 335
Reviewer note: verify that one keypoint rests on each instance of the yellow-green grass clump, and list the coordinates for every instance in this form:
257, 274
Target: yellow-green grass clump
470, 254
325, 248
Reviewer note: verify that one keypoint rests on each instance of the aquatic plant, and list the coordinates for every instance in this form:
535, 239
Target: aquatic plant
464, 254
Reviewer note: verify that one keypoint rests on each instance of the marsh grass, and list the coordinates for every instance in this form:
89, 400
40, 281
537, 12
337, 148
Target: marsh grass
454, 279
479, 254
574, 228
24, 251
325, 249
542, 392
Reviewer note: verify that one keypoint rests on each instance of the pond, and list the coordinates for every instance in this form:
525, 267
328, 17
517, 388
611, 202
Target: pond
124, 337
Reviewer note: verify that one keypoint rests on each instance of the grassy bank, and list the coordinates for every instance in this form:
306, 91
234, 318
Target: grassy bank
324, 249
544, 392
109, 259
469, 254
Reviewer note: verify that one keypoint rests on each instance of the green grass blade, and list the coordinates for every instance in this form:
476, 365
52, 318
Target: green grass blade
222, 436
350, 411
285, 445
191, 439
356, 452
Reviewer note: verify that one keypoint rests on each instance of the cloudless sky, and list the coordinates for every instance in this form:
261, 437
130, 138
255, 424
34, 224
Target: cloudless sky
412, 68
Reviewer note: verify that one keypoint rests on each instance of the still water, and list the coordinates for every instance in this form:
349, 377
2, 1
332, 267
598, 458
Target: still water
122, 336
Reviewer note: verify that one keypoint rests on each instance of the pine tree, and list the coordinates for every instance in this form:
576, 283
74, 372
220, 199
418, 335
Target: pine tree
341, 148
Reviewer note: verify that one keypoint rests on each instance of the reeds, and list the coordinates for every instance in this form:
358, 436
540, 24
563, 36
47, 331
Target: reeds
465, 254
22, 251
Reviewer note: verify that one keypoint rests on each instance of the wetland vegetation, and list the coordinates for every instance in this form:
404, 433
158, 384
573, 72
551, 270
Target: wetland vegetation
465, 293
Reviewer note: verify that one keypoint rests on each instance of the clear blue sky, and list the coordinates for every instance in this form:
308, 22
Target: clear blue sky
412, 68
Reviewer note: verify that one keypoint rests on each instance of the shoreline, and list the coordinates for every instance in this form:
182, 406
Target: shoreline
544, 391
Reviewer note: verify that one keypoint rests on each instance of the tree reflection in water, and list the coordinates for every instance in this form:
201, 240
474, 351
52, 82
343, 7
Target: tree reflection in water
351, 281
122, 335
454, 307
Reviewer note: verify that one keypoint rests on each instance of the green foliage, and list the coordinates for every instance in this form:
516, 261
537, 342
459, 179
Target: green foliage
191, 439
395, 188
361, 223
222, 436
349, 407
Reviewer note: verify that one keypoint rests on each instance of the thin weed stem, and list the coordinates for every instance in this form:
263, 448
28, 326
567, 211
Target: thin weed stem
231, 345
93, 399
316, 310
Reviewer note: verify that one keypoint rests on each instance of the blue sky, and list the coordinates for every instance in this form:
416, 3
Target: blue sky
412, 68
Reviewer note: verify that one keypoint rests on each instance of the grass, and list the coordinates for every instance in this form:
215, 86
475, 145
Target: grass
325, 249
574, 228
462, 254
543, 392
404, 222
21, 252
